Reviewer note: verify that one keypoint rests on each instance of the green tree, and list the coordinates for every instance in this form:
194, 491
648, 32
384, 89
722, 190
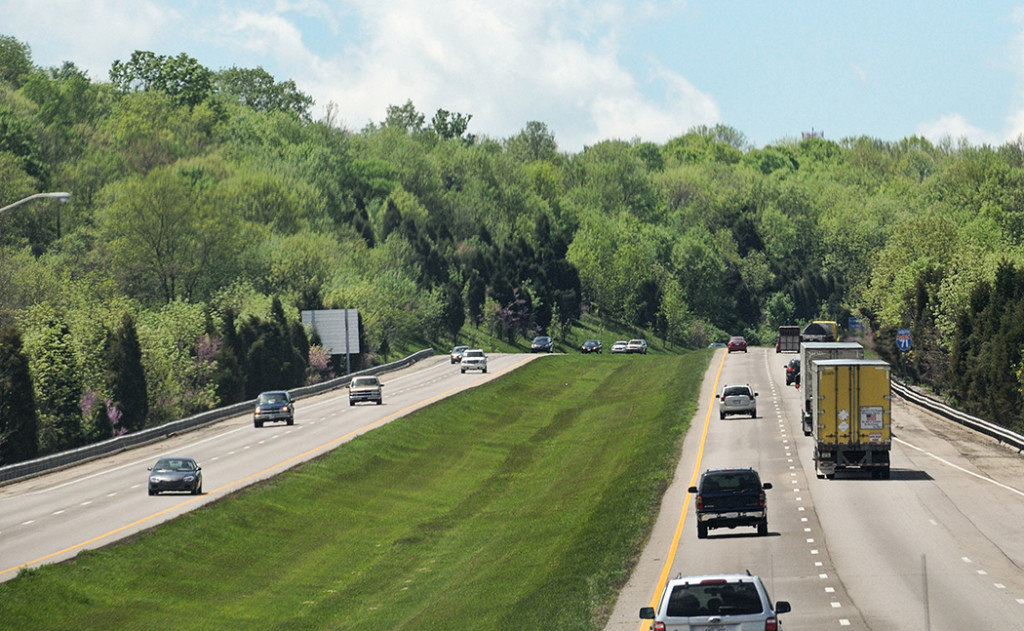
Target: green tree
405, 118
450, 125
534, 142
127, 376
257, 88
19, 423
15, 61
165, 239
183, 78
56, 381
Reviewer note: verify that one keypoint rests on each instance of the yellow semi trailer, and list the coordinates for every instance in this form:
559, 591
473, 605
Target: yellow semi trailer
852, 416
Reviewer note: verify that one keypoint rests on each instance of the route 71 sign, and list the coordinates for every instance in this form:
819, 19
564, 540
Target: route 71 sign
903, 339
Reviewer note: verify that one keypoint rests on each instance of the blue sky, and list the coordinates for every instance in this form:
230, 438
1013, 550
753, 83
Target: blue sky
590, 71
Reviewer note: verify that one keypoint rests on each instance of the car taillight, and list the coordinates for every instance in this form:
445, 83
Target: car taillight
761, 499
771, 624
700, 502
659, 626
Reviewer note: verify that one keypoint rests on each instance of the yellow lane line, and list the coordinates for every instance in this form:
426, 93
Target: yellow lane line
670, 559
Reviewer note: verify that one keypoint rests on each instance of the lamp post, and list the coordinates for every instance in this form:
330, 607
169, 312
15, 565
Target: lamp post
63, 197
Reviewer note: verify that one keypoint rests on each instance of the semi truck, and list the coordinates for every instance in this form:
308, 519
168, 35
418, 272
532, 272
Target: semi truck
852, 417
811, 352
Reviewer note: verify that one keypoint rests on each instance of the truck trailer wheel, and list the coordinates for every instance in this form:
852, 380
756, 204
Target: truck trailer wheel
762, 528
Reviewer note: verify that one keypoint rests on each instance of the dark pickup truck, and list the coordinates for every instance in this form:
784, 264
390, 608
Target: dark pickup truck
727, 498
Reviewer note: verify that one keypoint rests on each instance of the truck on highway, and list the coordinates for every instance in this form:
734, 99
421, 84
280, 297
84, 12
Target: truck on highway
811, 352
789, 339
852, 416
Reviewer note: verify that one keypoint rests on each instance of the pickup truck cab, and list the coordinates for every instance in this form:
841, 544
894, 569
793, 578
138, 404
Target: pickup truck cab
727, 498
738, 602
366, 388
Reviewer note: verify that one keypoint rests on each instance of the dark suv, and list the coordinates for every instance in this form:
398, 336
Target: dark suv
727, 498
275, 405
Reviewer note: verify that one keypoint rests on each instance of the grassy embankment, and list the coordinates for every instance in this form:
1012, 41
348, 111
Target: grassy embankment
518, 505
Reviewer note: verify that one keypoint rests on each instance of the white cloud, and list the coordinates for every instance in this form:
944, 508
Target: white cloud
956, 127
505, 64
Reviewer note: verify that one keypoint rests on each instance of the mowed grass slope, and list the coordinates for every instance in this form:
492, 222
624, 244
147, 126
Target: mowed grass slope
517, 505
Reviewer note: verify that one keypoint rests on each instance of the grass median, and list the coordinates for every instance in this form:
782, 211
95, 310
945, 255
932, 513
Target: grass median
518, 505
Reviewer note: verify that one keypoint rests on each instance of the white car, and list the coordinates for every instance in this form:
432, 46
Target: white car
637, 346
473, 359
620, 346
717, 601
737, 399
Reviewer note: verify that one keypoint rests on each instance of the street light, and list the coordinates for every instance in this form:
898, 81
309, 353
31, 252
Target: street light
63, 197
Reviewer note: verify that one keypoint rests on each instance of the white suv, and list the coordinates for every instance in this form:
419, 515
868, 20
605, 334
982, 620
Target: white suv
473, 359
738, 602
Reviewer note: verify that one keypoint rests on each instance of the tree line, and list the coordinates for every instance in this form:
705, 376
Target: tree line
208, 206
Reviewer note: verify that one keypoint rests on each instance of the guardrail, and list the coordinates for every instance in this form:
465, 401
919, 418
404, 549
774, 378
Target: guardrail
998, 432
54, 462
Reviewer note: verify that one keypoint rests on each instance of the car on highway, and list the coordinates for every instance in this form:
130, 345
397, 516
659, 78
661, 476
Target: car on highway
737, 343
175, 473
591, 346
638, 347
456, 354
737, 602
737, 399
727, 498
273, 406
365, 388
542, 344
473, 359
793, 372
619, 346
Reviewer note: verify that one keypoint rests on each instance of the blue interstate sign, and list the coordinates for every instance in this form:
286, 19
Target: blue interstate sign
903, 339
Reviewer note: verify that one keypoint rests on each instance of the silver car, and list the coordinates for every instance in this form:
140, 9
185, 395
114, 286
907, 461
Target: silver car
737, 400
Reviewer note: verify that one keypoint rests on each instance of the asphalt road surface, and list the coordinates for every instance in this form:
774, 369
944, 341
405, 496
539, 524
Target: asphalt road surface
936, 547
55, 516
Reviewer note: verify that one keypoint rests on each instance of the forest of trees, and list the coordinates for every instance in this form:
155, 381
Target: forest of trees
208, 208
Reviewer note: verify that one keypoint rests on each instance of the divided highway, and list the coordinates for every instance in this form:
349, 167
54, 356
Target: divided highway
55, 516
936, 547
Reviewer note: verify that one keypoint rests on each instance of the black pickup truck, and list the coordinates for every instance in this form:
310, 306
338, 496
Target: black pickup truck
727, 498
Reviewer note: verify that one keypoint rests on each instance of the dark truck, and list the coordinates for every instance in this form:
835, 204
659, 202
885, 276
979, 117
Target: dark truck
727, 498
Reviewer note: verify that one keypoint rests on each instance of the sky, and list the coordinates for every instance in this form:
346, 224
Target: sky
647, 70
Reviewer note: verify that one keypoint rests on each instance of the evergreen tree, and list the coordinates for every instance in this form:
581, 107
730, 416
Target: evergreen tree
58, 385
19, 425
229, 375
127, 376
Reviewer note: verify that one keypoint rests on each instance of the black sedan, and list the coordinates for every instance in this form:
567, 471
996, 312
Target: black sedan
176, 473
542, 344
591, 346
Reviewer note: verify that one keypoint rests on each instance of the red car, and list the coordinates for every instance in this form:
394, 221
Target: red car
737, 343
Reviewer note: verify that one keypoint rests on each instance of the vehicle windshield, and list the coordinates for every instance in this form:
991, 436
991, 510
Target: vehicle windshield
364, 381
175, 464
474, 354
732, 391
714, 598
273, 397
